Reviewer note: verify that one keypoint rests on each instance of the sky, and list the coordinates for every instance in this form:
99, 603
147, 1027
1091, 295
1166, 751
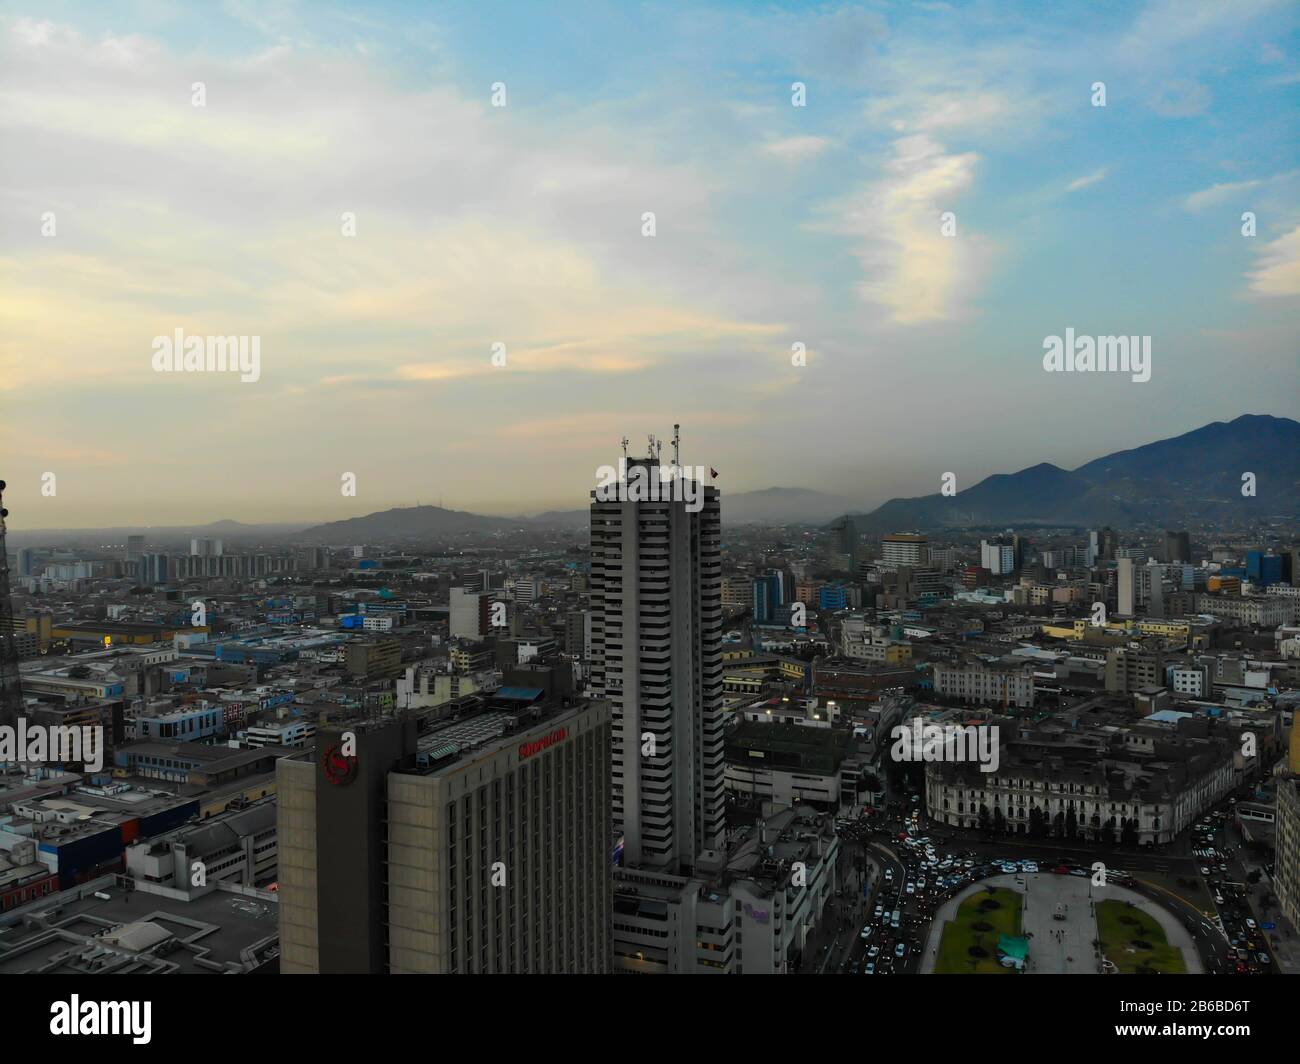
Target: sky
947, 195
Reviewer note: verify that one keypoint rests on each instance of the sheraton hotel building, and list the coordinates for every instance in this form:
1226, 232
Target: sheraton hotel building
474, 841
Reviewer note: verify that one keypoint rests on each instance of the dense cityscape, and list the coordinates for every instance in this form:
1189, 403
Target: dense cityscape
660, 743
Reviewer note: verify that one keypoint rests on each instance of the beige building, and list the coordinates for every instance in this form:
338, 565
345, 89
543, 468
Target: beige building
483, 846
985, 683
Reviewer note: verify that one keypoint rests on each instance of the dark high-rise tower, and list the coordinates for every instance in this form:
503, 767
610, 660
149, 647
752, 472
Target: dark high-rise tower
1178, 547
11, 692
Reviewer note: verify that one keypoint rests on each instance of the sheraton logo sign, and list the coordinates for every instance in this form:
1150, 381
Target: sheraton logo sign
339, 767
544, 743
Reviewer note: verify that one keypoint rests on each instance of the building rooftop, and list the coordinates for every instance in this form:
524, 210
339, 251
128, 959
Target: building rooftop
100, 928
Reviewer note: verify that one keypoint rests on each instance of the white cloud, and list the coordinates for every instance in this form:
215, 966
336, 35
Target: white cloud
1278, 271
909, 267
796, 149
1216, 194
1086, 180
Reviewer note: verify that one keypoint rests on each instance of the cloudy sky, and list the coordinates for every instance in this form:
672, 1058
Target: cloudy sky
522, 225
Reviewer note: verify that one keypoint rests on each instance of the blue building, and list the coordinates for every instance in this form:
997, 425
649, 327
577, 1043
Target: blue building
1263, 568
768, 595
832, 597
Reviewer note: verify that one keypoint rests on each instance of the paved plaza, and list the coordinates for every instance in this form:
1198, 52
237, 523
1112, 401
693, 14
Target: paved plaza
1062, 947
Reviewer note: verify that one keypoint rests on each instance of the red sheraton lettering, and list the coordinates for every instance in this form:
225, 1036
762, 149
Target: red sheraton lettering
546, 741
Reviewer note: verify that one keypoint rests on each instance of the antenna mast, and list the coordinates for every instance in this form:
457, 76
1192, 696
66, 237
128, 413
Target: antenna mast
677, 446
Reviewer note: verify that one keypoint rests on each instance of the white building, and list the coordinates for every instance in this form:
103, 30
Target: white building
656, 639
904, 548
998, 558
281, 733
468, 614
750, 911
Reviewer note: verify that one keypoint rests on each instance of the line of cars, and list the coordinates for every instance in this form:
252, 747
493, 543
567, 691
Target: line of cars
882, 951
1248, 954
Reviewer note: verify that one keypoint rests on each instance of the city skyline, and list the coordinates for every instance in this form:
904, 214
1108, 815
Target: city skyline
776, 224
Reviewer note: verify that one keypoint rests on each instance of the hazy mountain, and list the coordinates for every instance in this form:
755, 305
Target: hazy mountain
1195, 476
154, 535
410, 522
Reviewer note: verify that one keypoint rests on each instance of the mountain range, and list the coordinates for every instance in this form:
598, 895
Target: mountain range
1197, 476
1193, 477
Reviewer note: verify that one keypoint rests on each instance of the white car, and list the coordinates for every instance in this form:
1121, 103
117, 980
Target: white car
1010, 869
920, 884
866, 931
911, 888
1250, 923
1029, 866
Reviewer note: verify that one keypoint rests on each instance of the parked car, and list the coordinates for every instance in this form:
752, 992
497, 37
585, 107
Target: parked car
900, 950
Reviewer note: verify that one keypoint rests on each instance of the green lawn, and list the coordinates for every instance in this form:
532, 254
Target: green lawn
959, 933
1117, 938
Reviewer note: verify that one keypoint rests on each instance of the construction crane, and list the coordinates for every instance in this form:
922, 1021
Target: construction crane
11, 691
